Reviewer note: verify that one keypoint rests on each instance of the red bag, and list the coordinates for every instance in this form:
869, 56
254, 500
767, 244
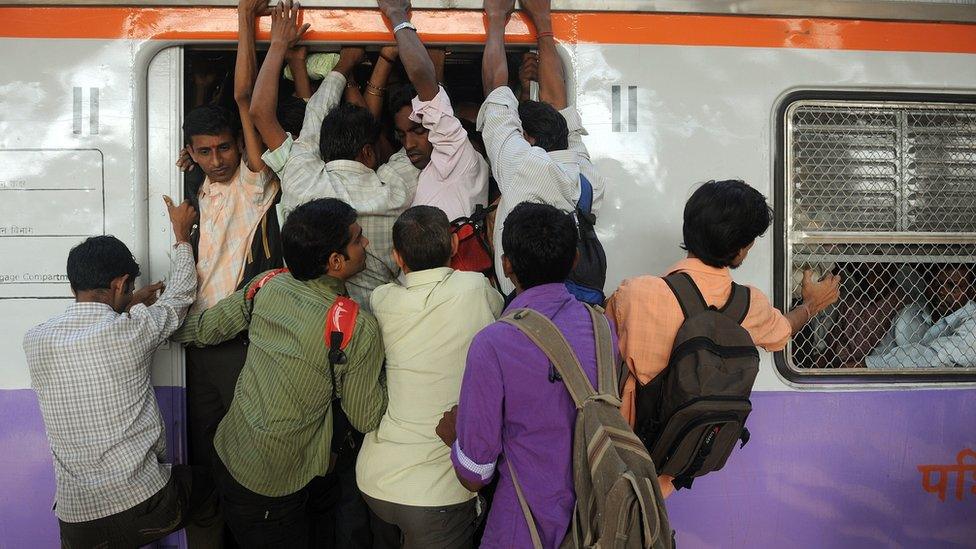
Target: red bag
474, 253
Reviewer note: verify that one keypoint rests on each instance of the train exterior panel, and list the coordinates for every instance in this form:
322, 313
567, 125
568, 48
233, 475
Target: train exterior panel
90, 103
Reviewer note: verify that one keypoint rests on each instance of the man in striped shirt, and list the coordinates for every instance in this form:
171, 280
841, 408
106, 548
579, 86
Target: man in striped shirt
275, 442
535, 148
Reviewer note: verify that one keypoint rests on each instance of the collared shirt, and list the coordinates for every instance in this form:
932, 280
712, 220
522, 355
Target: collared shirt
378, 196
510, 410
229, 215
277, 434
90, 367
648, 317
529, 174
456, 179
427, 326
916, 341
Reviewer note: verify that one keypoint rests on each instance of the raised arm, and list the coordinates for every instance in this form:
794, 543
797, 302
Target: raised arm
420, 69
295, 57
494, 65
245, 72
552, 80
376, 86
284, 34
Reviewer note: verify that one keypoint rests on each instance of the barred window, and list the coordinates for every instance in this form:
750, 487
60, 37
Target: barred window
883, 193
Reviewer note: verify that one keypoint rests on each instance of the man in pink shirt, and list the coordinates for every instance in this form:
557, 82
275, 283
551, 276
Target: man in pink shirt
454, 176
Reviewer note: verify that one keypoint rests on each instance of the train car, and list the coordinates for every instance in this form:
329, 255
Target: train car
857, 119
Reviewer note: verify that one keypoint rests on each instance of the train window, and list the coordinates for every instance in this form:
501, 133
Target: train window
883, 193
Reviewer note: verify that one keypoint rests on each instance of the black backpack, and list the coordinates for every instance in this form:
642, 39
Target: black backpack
590, 274
691, 416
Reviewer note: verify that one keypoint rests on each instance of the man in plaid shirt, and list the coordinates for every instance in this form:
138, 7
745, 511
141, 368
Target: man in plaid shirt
90, 367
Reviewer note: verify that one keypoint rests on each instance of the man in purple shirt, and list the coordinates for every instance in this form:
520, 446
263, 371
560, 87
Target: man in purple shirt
513, 406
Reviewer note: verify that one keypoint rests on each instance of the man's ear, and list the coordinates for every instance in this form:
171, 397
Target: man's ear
455, 241
118, 284
398, 259
507, 267
335, 263
528, 138
368, 155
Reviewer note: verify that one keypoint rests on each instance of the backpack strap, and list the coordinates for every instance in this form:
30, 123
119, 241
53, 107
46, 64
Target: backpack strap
687, 293
607, 382
253, 290
533, 529
339, 324
585, 202
547, 337
737, 307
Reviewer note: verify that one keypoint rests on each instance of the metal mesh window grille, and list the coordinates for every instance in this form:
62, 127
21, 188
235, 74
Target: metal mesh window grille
885, 194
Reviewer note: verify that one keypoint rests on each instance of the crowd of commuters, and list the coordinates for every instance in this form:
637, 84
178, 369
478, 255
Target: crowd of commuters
380, 421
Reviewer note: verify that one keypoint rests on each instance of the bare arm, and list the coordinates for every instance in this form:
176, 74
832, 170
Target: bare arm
284, 34
353, 94
420, 69
494, 66
245, 71
299, 71
817, 296
377, 81
552, 80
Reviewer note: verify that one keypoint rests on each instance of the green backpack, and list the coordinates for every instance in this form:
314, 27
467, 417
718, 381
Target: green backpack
618, 500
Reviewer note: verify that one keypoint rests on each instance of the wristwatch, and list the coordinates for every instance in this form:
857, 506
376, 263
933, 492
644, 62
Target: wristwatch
404, 25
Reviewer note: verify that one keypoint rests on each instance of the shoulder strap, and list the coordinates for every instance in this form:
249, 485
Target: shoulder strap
585, 202
606, 374
737, 307
687, 293
547, 337
533, 529
339, 324
253, 290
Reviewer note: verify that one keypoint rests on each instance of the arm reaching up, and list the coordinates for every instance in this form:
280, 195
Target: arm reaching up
494, 65
377, 81
552, 80
299, 71
245, 72
285, 33
420, 68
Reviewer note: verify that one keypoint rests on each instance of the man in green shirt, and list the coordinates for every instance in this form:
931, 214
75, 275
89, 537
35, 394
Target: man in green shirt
276, 439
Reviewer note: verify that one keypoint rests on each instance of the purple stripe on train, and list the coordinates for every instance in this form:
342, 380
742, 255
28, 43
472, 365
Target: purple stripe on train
822, 470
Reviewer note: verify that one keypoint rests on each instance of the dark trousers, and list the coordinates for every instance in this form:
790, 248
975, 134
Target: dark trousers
187, 500
412, 527
211, 377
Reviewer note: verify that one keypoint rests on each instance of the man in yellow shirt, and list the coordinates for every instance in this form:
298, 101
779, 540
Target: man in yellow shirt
427, 323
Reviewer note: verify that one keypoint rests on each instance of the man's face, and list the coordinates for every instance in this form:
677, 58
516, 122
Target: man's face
218, 156
949, 289
356, 251
414, 138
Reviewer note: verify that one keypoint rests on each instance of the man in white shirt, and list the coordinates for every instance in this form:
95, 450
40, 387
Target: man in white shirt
427, 323
535, 148
90, 367
335, 155
938, 334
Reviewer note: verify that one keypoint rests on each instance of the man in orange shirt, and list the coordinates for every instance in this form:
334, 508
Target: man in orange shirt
722, 220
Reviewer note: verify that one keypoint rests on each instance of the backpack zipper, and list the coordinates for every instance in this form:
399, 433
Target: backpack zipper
707, 344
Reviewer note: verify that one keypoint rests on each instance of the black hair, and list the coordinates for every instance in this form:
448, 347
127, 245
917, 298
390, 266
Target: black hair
345, 131
96, 262
291, 114
399, 97
312, 233
723, 217
540, 243
210, 120
544, 123
422, 237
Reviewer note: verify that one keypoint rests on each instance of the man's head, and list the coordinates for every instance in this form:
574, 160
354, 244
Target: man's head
422, 239
543, 126
102, 269
322, 237
412, 135
948, 287
349, 133
540, 245
722, 220
213, 134
291, 114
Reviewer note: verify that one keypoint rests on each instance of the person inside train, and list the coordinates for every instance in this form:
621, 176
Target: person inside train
861, 319
535, 148
273, 446
722, 221
936, 332
453, 176
404, 470
335, 155
90, 367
